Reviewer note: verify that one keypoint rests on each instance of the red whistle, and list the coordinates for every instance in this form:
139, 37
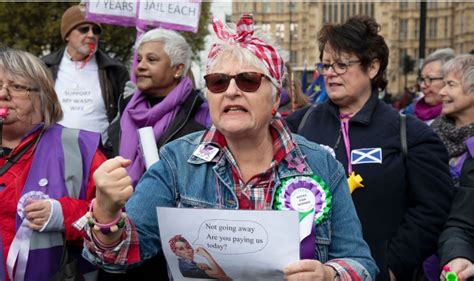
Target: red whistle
91, 47
3, 112
91, 53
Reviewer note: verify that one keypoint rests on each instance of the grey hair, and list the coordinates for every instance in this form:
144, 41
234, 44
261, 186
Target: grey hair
462, 66
244, 56
23, 65
442, 55
175, 46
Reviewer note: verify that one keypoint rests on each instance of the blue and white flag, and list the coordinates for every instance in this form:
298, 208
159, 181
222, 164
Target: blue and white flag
316, 92
366, 156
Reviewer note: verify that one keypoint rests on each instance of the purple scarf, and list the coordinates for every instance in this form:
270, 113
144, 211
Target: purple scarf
138, 114
427, 112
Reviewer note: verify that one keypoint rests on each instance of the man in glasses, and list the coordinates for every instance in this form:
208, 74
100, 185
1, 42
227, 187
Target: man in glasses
87, 81
430, 81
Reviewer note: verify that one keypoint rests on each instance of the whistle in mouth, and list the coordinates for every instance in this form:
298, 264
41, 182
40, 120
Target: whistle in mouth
3, 112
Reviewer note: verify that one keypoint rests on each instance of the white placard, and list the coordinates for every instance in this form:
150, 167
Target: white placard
148, 145
242, 244
119, 8
176, 15
177, 12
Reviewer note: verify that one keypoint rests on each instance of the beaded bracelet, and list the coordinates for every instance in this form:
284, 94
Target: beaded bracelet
114, 226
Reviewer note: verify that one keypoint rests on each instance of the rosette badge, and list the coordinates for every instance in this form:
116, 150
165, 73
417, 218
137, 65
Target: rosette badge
306, 194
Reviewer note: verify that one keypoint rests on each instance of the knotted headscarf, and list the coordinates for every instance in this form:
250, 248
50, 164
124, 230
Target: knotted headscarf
175, 239
245, 39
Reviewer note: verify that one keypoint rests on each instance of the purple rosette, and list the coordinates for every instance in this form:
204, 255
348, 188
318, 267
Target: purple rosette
17, 258
310, 196
315, 185
307, 185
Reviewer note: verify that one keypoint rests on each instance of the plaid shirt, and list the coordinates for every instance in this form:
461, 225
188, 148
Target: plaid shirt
349, 270
127, 251
256, 193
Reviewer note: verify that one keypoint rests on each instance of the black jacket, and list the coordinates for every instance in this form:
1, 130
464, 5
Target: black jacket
112, 76
457, 239
405, 201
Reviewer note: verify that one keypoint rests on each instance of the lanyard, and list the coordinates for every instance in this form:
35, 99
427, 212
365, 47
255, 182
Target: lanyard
345, 135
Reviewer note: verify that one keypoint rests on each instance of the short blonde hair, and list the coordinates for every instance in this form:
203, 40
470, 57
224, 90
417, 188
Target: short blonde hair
23, 65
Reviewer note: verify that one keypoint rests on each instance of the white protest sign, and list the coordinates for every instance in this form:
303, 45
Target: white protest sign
179, 15
228, 244
114, 8
112, 11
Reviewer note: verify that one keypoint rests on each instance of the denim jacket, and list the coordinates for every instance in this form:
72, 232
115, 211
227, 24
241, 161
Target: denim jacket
180, 179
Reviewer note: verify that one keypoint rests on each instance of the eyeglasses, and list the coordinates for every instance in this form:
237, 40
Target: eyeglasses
85, 29
16, 90
246, 81
428, 80
338, 67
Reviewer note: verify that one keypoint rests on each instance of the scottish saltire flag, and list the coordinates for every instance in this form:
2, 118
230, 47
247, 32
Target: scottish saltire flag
316, 92
366, 156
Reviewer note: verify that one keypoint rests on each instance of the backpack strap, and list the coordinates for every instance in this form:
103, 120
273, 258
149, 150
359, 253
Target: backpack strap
9, 163
403, 134
308, 112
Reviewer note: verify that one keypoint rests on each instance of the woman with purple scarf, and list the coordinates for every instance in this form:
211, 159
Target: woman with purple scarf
431, 81
164, 100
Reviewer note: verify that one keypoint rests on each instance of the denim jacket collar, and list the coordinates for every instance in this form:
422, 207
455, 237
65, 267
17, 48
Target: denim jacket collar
294, 164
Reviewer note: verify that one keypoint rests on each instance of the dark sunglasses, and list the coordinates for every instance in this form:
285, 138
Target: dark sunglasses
85, 29
246, 81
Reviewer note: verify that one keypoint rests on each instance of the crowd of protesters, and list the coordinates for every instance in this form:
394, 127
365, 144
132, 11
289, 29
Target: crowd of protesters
402, 184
